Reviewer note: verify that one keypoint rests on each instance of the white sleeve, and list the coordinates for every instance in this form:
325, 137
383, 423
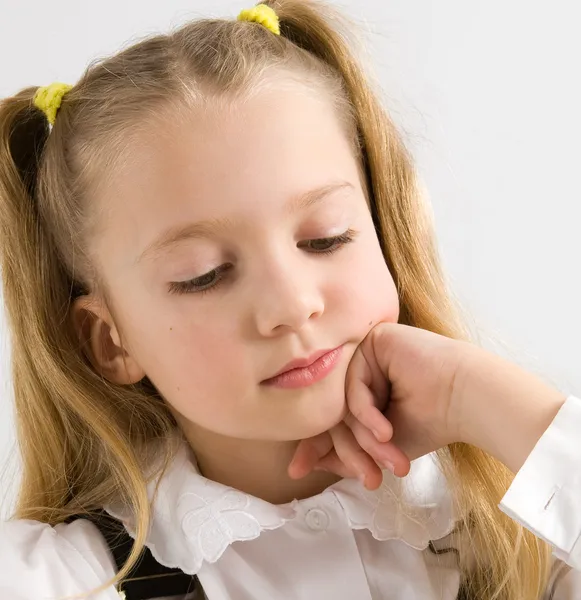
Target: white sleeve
38, 561
545, 496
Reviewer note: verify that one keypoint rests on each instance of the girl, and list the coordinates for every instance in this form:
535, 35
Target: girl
197, 236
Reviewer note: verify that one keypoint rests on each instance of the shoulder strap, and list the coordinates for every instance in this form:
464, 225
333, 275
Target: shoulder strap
147, 579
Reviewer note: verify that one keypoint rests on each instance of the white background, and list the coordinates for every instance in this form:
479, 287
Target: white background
488, 97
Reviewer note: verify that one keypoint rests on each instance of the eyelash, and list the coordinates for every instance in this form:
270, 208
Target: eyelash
191, 287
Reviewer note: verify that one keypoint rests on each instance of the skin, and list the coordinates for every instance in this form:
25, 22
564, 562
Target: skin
278, 296
465, 394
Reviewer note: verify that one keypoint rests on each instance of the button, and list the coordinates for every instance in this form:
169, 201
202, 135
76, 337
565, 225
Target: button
317, 519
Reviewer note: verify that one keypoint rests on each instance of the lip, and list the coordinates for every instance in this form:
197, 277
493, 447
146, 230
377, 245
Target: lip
303, 372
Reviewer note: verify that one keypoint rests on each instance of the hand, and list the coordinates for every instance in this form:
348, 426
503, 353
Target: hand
421, 410
411, 391
400, 394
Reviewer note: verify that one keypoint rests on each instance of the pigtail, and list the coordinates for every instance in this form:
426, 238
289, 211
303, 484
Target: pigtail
511, 561
25, 130
73, 442
28, 263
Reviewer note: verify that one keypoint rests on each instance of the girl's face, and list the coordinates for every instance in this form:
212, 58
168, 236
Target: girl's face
236, 241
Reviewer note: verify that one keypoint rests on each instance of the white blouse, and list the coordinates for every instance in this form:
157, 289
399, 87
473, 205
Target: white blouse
342, 544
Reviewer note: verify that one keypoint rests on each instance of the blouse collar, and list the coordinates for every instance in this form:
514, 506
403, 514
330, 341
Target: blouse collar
194, 519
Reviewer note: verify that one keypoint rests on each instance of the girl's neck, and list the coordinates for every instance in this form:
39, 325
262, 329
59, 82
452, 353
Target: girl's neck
258, 468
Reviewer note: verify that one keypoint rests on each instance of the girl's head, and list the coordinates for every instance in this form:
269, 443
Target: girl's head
231, 235
209, 205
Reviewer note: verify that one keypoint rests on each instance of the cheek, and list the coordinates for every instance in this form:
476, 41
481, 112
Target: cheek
192, 365
383, 300
368, 291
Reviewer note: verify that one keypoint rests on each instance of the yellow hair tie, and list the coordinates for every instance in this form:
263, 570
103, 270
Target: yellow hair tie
261, 14
49, 98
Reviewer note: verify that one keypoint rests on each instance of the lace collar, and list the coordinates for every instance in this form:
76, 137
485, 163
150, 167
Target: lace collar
196, 519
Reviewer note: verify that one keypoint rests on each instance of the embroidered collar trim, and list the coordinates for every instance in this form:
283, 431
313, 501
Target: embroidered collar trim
196, 519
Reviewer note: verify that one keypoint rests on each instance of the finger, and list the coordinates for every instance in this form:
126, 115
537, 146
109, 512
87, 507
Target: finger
362, 405
332, 463
386, 454
308, 453
378, 381
354, 457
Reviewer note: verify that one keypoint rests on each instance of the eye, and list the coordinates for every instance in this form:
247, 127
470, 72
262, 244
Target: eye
328, 245
212, 279
203, 283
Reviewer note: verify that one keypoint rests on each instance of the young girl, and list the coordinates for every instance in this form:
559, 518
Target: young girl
197, 237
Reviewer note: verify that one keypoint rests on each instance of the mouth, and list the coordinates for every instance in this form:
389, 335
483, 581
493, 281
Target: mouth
303, 372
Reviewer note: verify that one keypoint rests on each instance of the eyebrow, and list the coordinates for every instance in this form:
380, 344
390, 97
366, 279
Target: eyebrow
205, 229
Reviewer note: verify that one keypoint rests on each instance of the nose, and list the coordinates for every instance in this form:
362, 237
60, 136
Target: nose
286, 300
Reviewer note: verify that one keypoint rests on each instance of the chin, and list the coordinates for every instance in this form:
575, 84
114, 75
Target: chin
325, 408
316, 422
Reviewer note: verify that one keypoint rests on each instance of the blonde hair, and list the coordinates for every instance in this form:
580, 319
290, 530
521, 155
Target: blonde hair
81, 437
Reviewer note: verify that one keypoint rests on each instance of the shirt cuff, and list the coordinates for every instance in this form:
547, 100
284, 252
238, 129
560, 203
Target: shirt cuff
545, 495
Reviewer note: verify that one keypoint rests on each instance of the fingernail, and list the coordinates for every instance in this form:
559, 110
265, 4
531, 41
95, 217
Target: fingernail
361, 478
321, 469
388, 465
376, 434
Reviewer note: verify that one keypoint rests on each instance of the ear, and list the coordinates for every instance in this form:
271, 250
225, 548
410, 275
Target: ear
100, 340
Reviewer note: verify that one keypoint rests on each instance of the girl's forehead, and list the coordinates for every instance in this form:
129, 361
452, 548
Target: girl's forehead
219, 164
269, 139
